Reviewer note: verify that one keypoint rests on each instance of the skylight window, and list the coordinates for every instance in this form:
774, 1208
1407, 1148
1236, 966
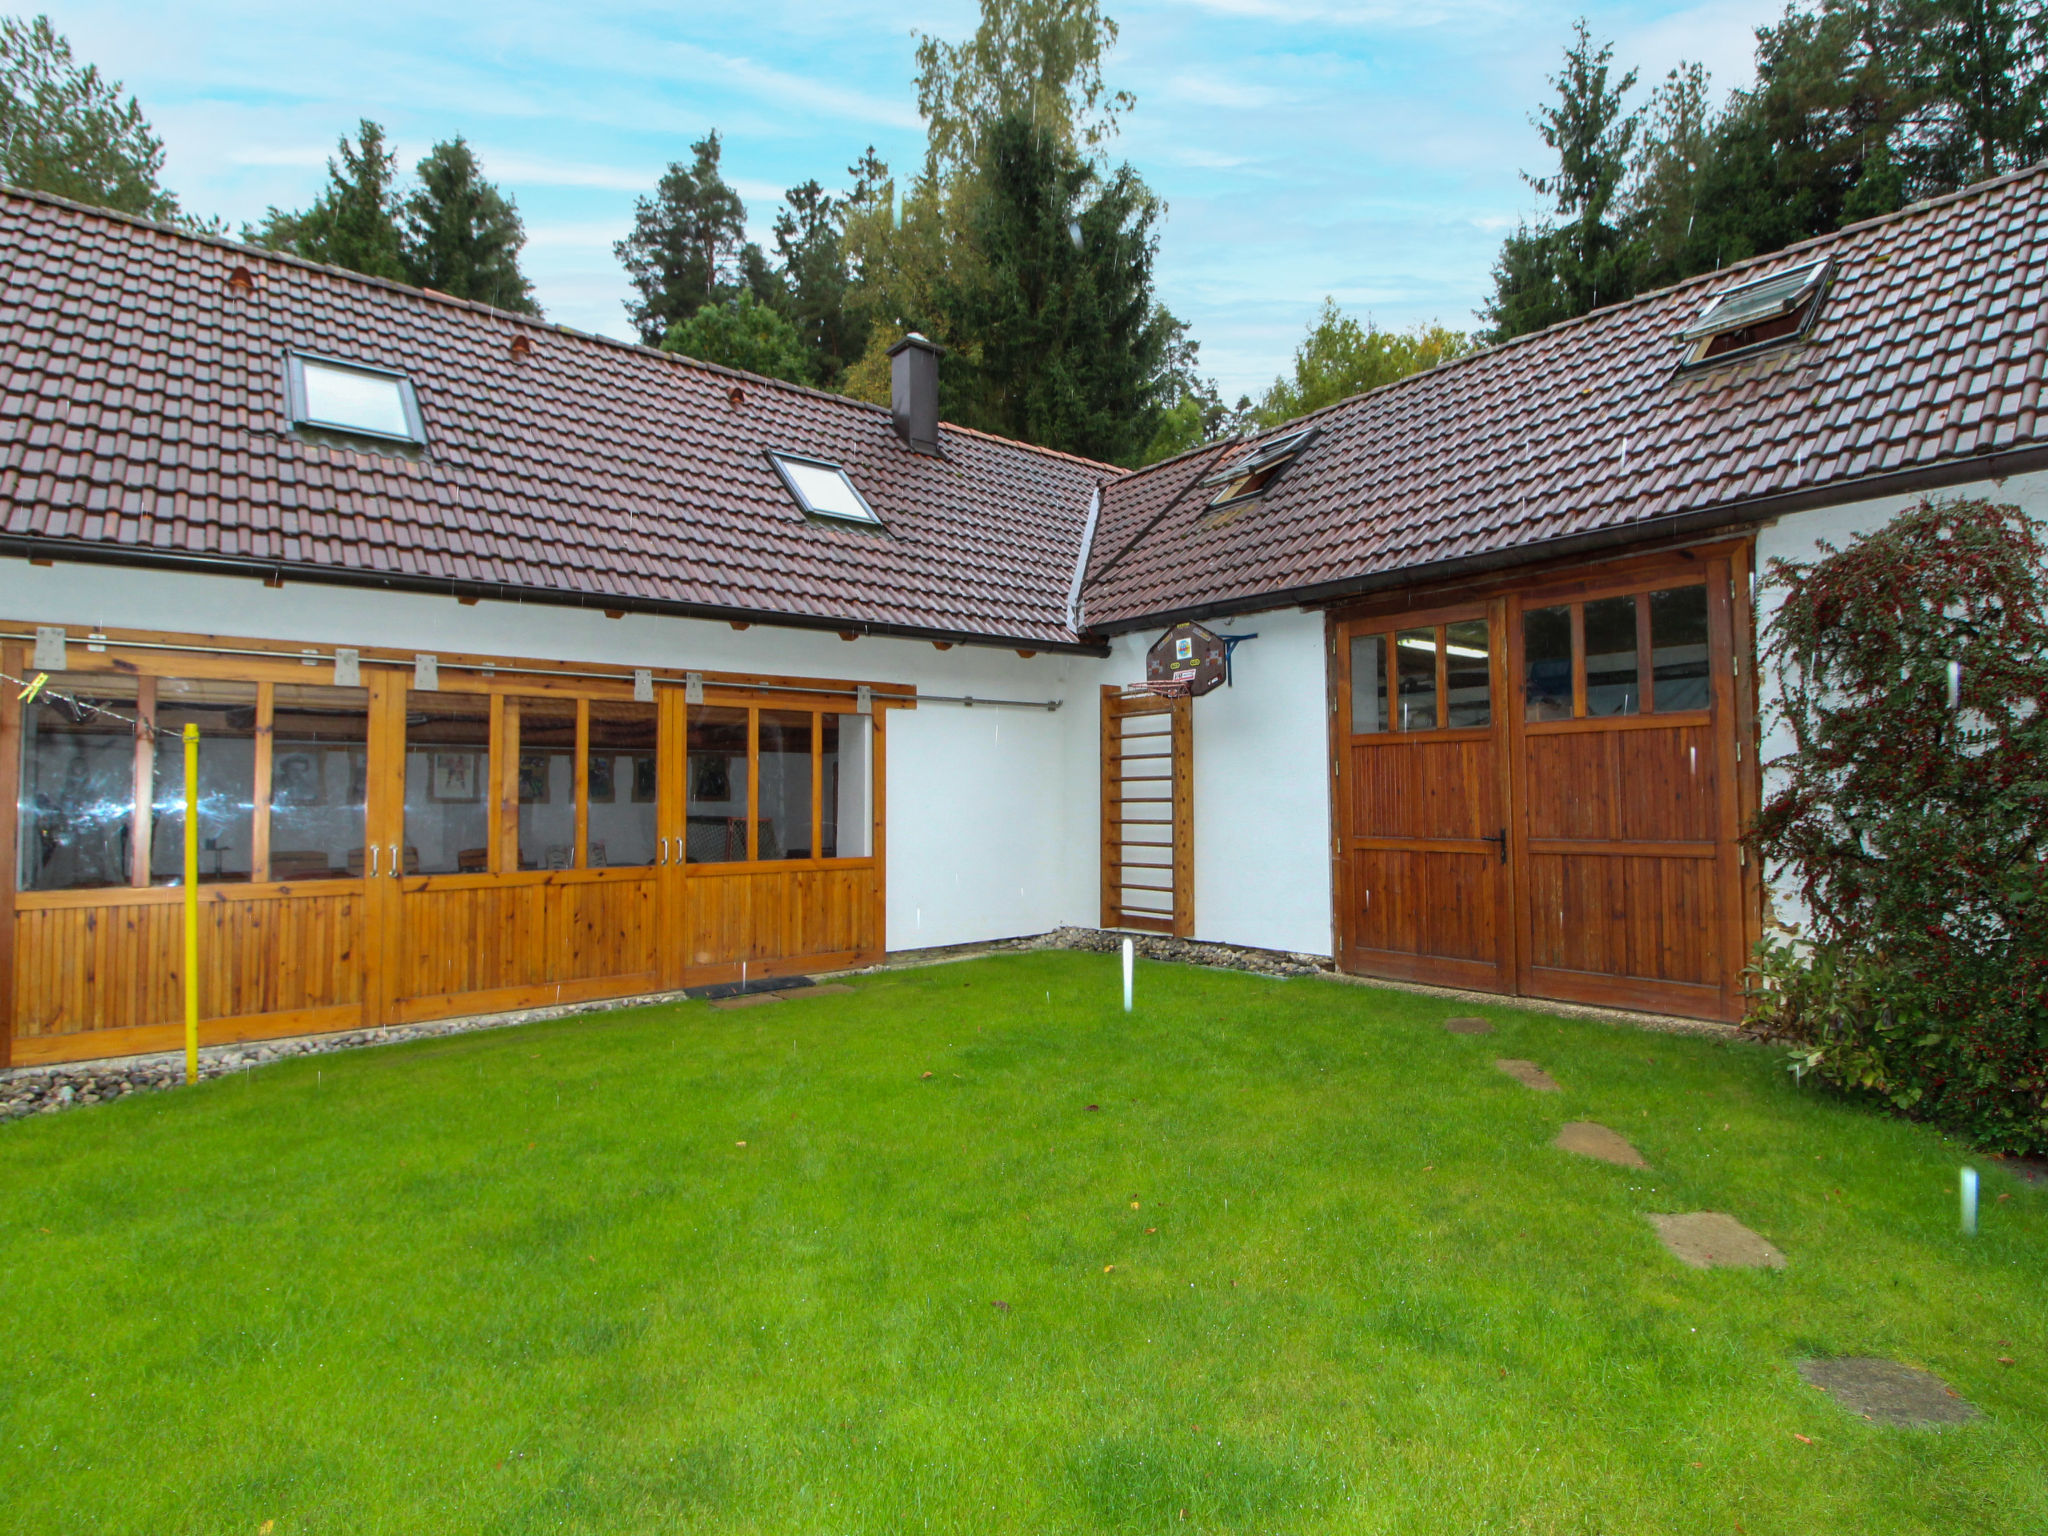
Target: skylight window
1755, 313
346, 397
823, 490
1251, 472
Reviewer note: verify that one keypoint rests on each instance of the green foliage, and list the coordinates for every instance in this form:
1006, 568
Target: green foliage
1037, 60
354, 221
1916, 831
1339, 358
64, 129
1062, 342
811, 276
462, 235
1980, 73
685, 246
742, 332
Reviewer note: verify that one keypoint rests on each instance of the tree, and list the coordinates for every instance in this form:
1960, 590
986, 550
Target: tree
1573, 266
1066, 345
1339, 358
1036, 60
1981, 72
684, 249
742, 332
1912, 814
1664, 191
811, 267
461, 235
354, 222
64, 129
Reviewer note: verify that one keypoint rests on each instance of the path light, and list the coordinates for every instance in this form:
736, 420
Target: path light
1969, 1193
1955, 685
1130, 965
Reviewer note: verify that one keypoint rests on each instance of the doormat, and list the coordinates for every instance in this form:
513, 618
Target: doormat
1886, 1392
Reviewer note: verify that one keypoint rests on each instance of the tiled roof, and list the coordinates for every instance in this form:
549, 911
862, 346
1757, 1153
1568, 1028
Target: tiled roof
1928, 350
142, 405
142, 412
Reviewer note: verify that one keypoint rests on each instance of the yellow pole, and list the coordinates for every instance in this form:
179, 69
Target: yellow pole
191, 904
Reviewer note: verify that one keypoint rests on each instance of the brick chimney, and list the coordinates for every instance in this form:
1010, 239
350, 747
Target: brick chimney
914, 391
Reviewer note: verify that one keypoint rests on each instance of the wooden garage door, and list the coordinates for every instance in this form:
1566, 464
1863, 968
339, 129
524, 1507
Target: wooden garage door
1605, 772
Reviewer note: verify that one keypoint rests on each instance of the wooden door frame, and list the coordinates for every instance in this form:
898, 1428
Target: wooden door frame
1727, 566
1341, 626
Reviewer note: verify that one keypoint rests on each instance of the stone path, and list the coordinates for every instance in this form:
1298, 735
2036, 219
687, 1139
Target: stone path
1887, 1392
1589, 1138
1468, 1026
1529, 1075
1710, 1240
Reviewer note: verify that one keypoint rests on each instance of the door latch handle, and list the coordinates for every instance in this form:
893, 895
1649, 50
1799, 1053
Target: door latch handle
373, 861
393, 847
1500, 837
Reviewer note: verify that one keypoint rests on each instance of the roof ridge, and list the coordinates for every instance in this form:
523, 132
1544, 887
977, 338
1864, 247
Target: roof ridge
533, 322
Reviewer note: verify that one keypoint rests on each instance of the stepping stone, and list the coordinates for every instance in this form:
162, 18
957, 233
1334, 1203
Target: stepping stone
1888, 1392
745, 1000
1589, 1139
1529, 1075
1710, 1240
818, 991
1468, 1026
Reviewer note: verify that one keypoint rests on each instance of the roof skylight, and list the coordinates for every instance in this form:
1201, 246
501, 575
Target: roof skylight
346, 397
1250, 472
1753, 313
822, 489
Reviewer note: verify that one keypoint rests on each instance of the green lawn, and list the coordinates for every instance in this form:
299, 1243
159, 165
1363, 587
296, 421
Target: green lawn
529, 1280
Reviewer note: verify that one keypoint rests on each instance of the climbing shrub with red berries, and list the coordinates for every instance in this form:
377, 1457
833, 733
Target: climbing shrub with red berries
1911, 818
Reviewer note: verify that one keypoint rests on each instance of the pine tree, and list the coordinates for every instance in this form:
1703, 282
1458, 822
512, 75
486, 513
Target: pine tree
685, 247
461, 235
64, 129
1664, 191
811, 262
1981, 72
354, 222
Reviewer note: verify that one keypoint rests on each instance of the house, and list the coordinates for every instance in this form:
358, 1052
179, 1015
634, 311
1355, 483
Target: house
535, 667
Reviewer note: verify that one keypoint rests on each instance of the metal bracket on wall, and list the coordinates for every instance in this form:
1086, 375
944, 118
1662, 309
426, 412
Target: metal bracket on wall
1232, 642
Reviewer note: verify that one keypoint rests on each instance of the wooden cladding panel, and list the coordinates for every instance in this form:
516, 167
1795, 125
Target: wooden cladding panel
1427, 904
1402, 788
1652, 919
487, 937
87, 966
760, 914
1656, 784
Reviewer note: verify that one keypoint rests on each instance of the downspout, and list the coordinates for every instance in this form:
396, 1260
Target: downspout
1081, 561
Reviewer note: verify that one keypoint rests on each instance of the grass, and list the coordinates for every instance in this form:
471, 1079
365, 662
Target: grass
530, 1280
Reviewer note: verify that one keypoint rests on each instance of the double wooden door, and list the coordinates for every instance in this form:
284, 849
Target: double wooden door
1542, 791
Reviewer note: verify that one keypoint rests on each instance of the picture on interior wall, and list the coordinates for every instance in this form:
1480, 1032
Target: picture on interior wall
454, 776
534, 778
295, 779
600, 788
644, 781
710, 778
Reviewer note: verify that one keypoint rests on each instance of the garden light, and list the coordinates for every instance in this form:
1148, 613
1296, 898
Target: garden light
1130, 964
1969, 1193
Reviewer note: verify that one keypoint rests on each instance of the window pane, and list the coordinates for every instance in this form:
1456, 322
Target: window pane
1415, 678
77, 783
717, 801
1547, 664
226, 716
319, 778
1613, 686
1368, 684
1678, 648
448, 794
1468, 673
342, 397
623, 737
785, 804
847, 811
547, 781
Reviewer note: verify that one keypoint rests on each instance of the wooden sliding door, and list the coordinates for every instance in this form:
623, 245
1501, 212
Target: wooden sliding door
1541, 792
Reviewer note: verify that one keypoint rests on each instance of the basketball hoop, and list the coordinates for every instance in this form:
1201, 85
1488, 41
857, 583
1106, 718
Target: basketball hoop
1169, 688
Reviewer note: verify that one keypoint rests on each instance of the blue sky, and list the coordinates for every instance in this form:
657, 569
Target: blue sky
1365, 151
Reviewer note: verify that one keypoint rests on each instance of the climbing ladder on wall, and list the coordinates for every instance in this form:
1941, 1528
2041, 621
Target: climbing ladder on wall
1148, 843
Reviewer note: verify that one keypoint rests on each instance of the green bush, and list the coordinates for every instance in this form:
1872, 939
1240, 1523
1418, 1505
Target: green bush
1912, 818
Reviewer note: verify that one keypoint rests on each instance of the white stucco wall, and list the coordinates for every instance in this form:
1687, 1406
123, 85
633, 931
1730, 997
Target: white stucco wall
1799, 537
1262, 786
985, 838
